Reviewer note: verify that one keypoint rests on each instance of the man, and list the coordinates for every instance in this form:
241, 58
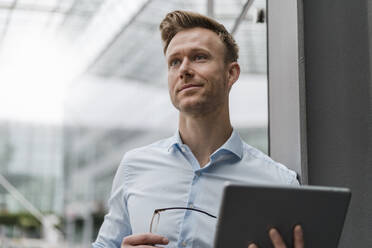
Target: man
184, 175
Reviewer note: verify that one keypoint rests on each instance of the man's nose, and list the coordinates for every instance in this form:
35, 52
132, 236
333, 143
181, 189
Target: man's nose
185, 69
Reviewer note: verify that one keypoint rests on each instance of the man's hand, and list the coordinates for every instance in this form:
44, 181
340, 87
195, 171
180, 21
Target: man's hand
144, 240
277, 240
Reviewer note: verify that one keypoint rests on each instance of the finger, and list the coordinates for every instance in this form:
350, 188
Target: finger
138, 246
253, 245
276, 239
144, 246
298, 237
144, 239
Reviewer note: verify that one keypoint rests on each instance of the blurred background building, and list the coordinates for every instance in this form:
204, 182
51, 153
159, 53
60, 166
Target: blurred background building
32, 159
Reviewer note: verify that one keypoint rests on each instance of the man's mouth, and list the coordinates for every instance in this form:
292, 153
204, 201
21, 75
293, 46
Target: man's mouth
189, 86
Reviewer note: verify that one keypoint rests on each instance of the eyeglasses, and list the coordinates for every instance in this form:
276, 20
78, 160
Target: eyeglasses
157, 214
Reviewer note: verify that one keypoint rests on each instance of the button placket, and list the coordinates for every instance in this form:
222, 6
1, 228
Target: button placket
183, 149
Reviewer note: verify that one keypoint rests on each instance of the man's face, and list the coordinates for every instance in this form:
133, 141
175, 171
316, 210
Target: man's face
198, 78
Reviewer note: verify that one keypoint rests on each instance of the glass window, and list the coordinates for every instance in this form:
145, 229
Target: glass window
81, 81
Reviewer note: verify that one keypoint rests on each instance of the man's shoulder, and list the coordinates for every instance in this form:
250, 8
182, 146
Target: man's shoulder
263, 160
156, 146
251, 152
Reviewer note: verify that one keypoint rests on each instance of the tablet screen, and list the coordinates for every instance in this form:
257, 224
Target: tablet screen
248, 211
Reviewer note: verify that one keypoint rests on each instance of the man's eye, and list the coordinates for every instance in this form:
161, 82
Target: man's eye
200, 57
174, 62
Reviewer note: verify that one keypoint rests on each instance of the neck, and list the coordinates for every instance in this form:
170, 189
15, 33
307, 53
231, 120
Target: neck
205, 133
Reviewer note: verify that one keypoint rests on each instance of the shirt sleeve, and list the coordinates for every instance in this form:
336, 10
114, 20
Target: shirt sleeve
116, 223
295, 180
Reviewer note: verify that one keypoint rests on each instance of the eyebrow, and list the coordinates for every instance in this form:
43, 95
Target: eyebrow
193, 50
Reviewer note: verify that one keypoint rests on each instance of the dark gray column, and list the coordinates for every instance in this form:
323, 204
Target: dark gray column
338, 106
320, 99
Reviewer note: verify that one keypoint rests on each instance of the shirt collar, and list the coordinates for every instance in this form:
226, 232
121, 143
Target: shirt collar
175, 140
234, 144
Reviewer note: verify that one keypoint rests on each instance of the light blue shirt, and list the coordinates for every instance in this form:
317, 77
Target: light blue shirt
167, 174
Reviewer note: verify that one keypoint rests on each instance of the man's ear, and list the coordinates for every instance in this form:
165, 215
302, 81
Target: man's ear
233, 73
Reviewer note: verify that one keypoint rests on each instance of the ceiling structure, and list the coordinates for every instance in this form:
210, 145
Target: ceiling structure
120, 39
67, 16
136, 52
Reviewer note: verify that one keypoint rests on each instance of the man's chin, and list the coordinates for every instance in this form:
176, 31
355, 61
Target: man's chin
192, 108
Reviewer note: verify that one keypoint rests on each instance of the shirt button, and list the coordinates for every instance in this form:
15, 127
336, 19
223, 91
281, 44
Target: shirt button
191, 206
184, 244
183, 149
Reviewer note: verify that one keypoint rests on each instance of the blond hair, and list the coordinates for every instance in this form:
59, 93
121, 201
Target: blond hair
179, 20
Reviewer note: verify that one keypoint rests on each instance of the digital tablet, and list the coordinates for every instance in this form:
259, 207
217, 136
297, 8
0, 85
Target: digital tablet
248, 211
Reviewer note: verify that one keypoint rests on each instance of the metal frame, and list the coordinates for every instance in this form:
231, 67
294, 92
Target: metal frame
117, 36
210, 8
287, 114
240, 18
